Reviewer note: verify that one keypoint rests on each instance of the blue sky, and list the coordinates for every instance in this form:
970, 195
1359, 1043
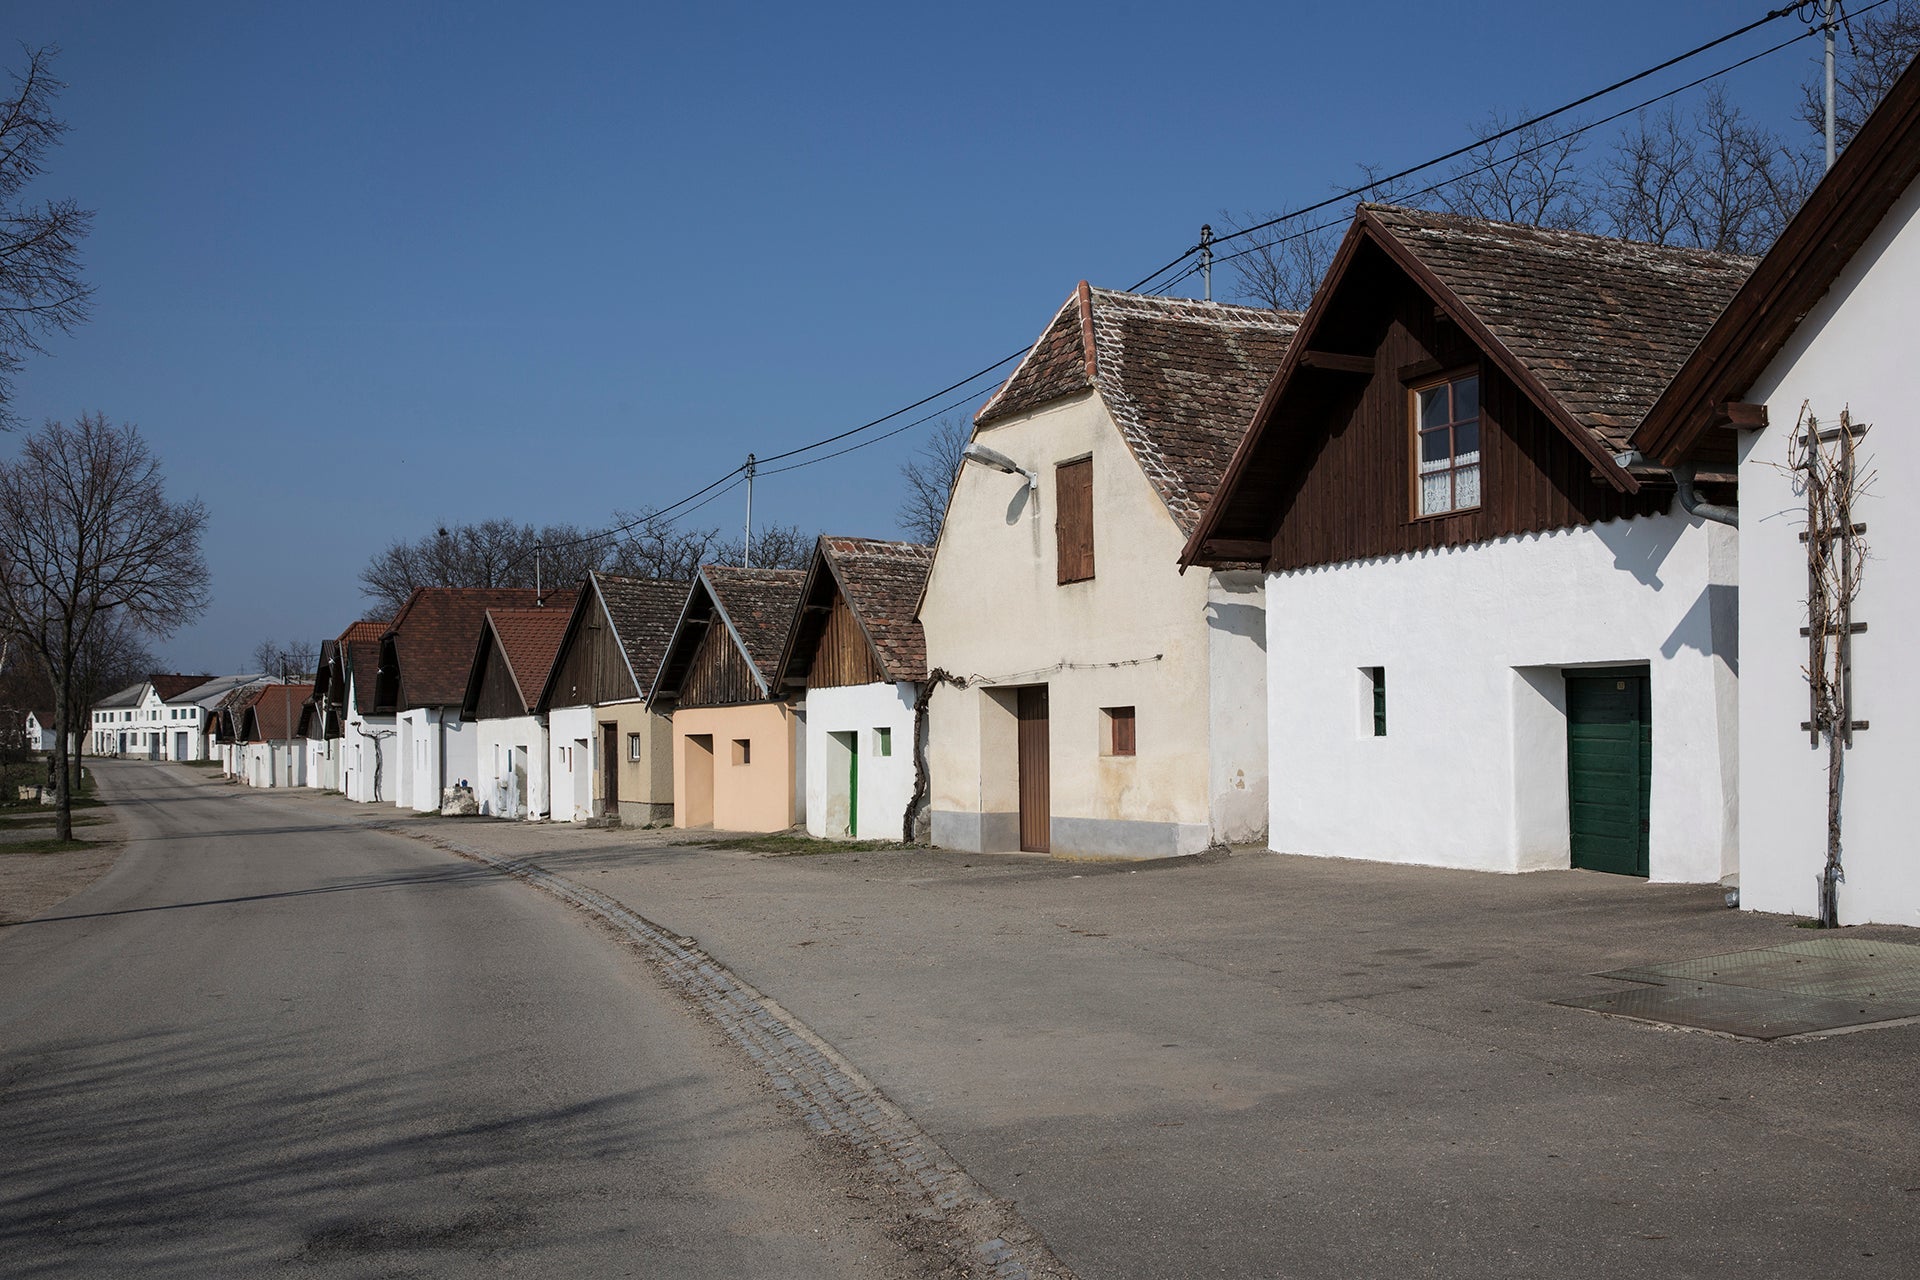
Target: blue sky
362, 269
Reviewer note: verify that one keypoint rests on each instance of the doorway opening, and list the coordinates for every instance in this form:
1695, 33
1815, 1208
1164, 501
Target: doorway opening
843, 786
1610, 769
1035, 789
696, 772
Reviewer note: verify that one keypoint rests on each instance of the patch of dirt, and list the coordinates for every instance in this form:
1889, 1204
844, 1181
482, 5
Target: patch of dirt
38, 873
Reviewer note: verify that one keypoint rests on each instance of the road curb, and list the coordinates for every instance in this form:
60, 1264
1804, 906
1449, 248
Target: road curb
835, 1099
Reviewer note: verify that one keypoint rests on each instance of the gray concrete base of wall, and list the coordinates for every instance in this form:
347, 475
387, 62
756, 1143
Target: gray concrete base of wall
1071, 837
638, 813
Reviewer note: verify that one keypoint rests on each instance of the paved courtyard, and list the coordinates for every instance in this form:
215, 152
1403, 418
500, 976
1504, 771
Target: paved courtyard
1267, 1065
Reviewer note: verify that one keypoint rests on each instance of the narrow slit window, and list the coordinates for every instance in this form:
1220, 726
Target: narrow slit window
883, 742
1446, 450
743, 750
633, 746
1377, 696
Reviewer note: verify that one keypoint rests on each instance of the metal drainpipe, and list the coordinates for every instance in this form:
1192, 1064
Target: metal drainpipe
1690, 499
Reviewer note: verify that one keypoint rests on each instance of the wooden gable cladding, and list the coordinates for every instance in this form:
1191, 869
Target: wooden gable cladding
593, 666
498, 698
718, 675
843, 655
1342, 478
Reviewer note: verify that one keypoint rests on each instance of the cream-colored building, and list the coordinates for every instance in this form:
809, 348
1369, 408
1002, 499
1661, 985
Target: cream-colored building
608, 752
1092, 700
739, 757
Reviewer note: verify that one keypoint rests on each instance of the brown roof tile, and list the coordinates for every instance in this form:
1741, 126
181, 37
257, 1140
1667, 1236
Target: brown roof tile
759, 603
1181, 379
434, 635
644, 612
882, 582
530, 639
170, 687
1602, 323
273, 712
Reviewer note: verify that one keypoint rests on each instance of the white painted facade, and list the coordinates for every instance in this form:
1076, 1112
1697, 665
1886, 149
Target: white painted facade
1475, 642
1182, 650
435, 749
510, 778
369, 760
570, 747
1853, 351
273, 764
867, 720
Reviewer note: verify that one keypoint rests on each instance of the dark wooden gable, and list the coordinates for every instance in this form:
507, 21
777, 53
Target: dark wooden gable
592, 668
843, 656
498, 699
1339, 464
719, 674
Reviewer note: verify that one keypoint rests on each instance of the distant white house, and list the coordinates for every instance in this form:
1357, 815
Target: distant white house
1824, 327
272, 754
510, 667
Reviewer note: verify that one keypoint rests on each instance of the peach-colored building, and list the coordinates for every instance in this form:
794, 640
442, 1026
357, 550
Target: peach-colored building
738, 754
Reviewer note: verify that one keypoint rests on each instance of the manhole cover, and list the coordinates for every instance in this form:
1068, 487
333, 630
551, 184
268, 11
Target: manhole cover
1822, 984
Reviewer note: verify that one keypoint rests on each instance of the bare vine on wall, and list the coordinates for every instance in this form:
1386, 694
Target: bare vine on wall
1828, 472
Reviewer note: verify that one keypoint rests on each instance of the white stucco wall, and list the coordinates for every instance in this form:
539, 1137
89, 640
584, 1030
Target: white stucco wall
570, 735
1237, 706
1136, 635
437, 749
493, 782
370, 746
1854, 350
885, 782
1473, 769
265, 764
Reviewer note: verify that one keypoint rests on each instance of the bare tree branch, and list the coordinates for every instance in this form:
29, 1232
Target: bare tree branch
929, 473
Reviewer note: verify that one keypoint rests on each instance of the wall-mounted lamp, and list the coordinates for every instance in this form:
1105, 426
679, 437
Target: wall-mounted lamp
999, 462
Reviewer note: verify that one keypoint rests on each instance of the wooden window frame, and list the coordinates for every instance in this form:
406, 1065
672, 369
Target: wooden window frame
1457, 374
1120, 729
1060, 470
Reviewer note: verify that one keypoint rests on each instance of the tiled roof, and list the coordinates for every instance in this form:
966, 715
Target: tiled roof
644, 612
759, 603
1604, 324
530, 639
127, 697
365, 629
1181, 379
882, 582
434, 635
274, 712
361, 665
170, 687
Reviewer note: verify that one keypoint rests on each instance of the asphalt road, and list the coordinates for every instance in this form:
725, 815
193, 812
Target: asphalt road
267, 1041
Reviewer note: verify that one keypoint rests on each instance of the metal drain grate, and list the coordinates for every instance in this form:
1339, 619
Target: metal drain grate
1822, 984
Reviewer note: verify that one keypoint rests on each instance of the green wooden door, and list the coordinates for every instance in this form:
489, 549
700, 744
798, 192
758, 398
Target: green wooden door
1609, 768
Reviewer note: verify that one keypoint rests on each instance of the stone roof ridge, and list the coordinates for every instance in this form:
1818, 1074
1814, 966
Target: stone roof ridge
1569, 239
1196, 310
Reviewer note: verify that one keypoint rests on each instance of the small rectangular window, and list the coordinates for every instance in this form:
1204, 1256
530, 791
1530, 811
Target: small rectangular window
633, 746
1376, 689
1073, 520
1446, 450
743, 751
883, 742
1119, 736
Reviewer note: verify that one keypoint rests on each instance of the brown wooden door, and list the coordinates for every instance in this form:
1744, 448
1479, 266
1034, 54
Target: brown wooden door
610, 767
1034, 806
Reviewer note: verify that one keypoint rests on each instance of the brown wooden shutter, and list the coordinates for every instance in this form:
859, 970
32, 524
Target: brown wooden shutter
1123, 731
1073, 519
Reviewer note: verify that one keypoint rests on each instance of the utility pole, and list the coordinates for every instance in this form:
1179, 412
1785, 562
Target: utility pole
286, 708
536, 573
746, 554
1206, 260
1829, 6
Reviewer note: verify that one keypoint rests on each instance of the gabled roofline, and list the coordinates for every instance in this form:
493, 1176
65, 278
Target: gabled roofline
488, 634
545, 703
823, 557
720, 607
1081, 296
1817, 245
701, 584
1368, 229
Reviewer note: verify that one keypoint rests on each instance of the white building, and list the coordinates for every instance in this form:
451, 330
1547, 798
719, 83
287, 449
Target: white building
510, 668
857, 650
1488, 644
1822, 328
367, 732
148, 721
1094, 699
271, 752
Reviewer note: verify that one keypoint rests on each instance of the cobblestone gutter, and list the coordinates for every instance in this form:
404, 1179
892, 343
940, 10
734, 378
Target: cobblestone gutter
985, 1235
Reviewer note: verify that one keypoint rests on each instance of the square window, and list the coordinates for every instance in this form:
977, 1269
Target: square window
743, 750
1446, 453
883, 742
1118, 735
633, 746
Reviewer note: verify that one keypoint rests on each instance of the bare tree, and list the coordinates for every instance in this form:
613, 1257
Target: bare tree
655, 547
491, 553
113, 656
293, 659
87, 535
1871, 53
929, 473
41, 292
1283, 264
1533, 176
1711, 180
778, 546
